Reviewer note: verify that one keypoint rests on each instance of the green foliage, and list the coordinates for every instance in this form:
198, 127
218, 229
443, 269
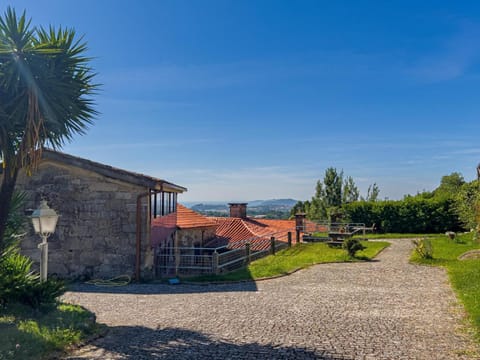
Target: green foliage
317, 210
43, 295
466, 204
464, 275
46, 86
373, 192
299, 207
332, 193
453, 206
424, 248
411, 215
16, 220
18, 283
450, 185
16, 275
352, 246
395, 236
28, 334
297, 257
350, 191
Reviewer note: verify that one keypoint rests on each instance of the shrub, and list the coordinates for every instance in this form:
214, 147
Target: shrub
18, 283
352, 246
411, 215
451, 235
43, 294
16, 274
424, 248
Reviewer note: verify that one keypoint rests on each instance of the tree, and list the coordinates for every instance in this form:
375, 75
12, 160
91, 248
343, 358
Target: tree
333, 181
45, 90
350, 191
450, 185
328, 196
332, 194
299, 207
373, 192
466, 202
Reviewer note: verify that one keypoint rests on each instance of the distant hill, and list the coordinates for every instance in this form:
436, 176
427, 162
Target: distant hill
273, 202
210, 207
273, 208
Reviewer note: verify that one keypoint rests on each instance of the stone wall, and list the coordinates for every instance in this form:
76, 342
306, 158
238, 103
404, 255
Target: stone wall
96, 231
190, 237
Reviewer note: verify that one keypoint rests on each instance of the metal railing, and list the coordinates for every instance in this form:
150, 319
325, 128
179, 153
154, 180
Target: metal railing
326, 227
173, 261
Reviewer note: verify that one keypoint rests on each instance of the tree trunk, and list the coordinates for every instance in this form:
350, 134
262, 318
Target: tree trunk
6, 193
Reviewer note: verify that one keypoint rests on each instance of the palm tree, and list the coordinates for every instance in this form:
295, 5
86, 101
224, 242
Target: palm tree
45, 96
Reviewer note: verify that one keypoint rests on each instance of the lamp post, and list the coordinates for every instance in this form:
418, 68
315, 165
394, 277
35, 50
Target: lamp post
44, 221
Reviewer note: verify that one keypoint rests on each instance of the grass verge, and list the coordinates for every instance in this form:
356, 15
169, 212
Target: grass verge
464, 275
297, 257
395, 236
30, 334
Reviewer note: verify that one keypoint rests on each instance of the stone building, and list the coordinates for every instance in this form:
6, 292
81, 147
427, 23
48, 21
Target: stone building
105, 219
185, 240
184, 228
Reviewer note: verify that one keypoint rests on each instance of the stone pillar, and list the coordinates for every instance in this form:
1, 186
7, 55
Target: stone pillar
300, 221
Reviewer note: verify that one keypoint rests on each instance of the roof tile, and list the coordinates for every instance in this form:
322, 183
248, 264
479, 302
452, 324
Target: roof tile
184, 219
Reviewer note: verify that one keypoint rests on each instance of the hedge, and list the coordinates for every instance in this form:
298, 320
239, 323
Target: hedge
412, 215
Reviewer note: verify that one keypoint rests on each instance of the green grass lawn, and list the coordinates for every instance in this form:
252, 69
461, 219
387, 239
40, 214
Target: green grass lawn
299, 256
30, 334
464, 275
394, 236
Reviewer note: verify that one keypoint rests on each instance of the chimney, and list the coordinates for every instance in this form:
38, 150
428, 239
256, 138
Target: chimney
238, 210
300, 221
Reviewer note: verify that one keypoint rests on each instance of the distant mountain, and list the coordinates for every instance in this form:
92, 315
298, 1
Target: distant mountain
289, 203
209, 207
273, 208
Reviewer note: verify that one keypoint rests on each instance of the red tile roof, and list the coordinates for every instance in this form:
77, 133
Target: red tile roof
235, 232
230, 231
184, 219
187, 219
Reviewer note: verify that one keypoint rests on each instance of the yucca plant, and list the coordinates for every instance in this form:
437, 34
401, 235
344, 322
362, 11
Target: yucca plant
45, 90
424, 248
16, 276
16, 220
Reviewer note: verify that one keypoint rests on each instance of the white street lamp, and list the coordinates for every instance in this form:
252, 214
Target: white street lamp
44, 221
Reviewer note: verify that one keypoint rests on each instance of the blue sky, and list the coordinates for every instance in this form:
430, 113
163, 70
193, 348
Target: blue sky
244, 100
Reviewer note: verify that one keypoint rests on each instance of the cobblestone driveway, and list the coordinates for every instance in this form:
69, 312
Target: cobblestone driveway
387, 309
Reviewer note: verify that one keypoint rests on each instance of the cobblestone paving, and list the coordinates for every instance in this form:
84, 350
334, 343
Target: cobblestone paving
387, 309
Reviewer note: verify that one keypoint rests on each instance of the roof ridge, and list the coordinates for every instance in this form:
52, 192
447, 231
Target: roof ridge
250, 229
109, 171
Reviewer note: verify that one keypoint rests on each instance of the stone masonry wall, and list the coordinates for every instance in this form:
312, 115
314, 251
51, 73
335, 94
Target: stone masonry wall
96, 231
189, 237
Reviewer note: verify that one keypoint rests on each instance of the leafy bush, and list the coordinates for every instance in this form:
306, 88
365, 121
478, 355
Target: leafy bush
16, 275
424, 248
43, 294
467, 201
15, 222
411, 215
18, 283
352, 246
